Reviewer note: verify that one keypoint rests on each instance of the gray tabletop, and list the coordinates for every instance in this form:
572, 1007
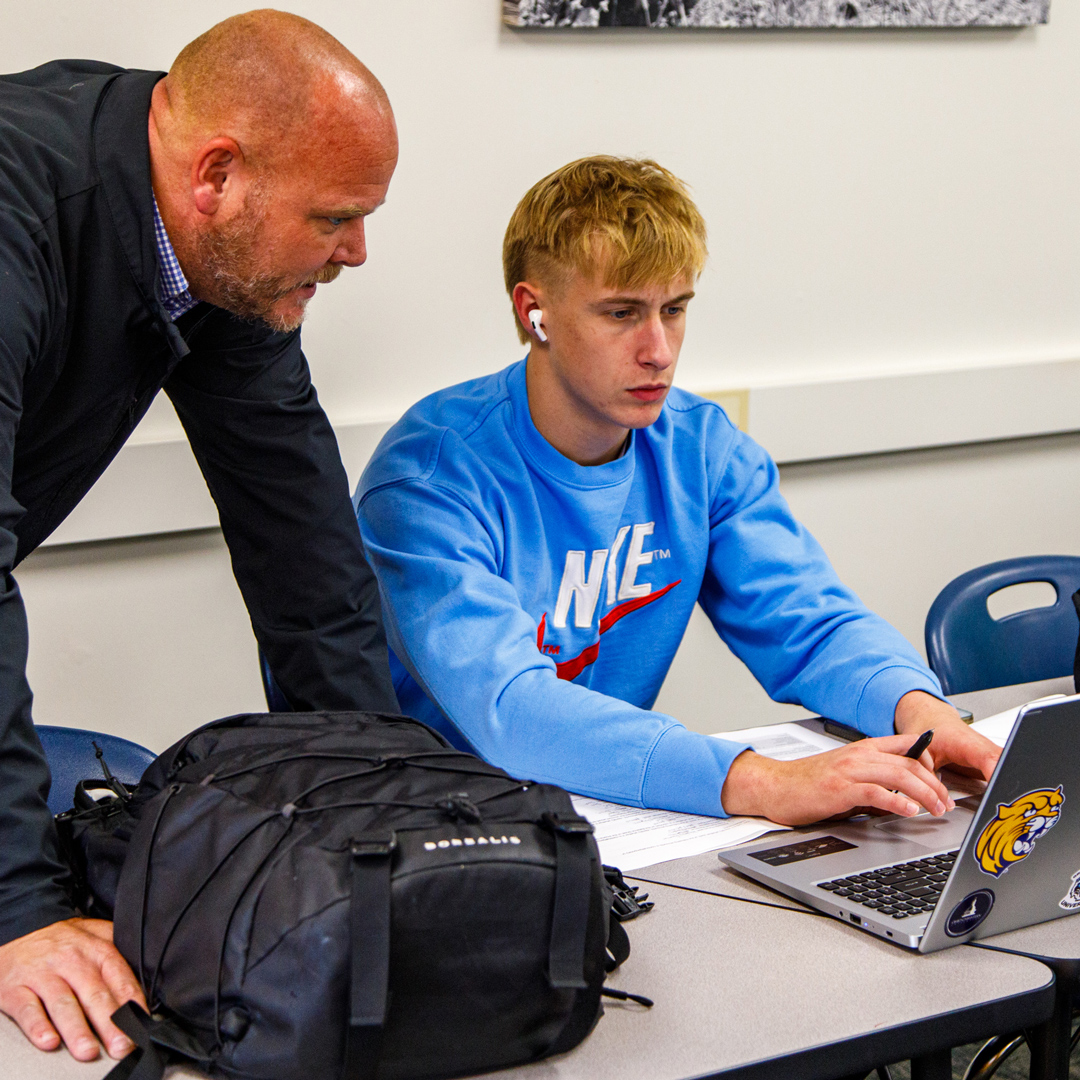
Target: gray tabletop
745, 990
749, 991
983, 703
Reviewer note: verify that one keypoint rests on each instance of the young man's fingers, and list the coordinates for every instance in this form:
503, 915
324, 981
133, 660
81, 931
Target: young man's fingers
890, 802
972, 749
923, 789
25, 1008
68, 1018
917, 768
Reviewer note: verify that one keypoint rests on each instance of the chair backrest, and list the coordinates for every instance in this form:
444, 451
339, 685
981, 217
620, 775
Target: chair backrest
276, 701
71, 756
968, 649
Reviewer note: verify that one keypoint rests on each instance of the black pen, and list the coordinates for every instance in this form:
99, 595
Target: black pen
920, 744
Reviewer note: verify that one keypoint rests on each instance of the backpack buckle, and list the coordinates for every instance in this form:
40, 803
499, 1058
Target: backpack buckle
626, 904
373, 846
567, 826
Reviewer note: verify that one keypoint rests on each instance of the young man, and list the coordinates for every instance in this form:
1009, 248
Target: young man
541, 535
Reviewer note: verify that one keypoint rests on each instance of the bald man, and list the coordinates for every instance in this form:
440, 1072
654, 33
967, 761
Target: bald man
166, 232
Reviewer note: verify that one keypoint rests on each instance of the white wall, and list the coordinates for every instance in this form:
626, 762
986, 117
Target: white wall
880, 202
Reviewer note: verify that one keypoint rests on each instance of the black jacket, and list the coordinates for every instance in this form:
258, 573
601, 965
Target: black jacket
84, 347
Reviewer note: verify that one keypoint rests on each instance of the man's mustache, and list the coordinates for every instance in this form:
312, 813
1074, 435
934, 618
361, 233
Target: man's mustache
327, 274
323, 276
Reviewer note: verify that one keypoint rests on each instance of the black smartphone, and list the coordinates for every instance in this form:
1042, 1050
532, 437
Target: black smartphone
841, 731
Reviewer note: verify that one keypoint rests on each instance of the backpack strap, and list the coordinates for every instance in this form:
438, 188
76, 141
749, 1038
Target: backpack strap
618, 946
570, 917
156, 1042
369, 934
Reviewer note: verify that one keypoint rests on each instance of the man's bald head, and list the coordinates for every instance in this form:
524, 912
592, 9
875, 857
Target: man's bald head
270, 143
267, 76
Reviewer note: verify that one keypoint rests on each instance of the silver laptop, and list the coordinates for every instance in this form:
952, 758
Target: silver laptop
998, 862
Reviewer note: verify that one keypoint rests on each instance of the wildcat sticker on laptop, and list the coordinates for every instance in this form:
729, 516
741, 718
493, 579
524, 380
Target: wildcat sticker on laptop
1010, 837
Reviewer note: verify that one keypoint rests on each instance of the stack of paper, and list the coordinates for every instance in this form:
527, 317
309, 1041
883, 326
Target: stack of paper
631, 838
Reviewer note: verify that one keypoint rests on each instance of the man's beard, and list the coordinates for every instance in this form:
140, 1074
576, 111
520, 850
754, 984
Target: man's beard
228, 262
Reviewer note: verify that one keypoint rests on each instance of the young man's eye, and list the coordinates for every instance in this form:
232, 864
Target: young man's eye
675, 309
621, 314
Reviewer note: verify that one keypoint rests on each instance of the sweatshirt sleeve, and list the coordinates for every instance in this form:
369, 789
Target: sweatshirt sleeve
775, 599
459, 629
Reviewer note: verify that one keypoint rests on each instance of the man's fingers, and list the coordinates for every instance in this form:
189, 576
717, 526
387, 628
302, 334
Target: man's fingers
100, 928
121, 981
99, 1003
25, 1008
66, 1014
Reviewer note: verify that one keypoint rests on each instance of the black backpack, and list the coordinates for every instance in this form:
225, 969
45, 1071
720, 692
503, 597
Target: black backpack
345, 895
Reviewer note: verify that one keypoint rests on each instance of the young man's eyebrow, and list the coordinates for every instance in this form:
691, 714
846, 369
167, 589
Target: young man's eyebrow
636, 301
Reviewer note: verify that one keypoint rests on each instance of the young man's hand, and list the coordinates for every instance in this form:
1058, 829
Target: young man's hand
871, 774
55, 979
955, 744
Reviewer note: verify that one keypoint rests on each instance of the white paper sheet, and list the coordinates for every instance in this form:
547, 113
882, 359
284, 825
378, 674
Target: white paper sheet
631, 838
784, 742
998, 727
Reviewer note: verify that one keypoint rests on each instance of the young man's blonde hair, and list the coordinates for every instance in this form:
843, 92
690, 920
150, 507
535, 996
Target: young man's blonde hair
629, 219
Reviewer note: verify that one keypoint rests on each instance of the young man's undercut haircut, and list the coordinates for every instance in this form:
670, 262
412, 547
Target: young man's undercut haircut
629, 219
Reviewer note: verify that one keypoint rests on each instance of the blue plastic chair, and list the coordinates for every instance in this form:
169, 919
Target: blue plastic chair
276, 701
71, 756
968, 649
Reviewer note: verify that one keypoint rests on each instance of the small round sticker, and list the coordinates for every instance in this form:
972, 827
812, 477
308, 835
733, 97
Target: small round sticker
969, 913
1071, 900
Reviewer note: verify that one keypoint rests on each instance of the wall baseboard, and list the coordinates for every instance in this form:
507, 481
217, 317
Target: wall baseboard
156, 487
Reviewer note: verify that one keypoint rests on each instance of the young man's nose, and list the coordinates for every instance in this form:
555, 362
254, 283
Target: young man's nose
654, 348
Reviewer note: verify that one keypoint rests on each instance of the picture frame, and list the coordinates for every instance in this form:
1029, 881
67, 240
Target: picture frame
772, 14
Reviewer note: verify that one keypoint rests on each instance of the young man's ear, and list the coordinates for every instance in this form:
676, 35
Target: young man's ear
529, 299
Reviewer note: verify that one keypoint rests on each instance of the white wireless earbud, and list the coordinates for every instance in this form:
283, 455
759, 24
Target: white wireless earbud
535, 317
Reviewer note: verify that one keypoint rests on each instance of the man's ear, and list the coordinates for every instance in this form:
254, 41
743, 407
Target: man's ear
215, 174
527, 297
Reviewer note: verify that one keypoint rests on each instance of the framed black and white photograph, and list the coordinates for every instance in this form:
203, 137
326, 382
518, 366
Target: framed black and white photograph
789, 14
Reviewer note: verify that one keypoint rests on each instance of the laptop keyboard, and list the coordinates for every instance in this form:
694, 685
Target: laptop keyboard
908, 888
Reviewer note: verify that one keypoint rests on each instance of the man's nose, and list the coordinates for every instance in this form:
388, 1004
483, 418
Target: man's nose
352, 248
654, 346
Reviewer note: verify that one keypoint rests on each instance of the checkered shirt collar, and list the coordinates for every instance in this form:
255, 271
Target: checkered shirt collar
173, 289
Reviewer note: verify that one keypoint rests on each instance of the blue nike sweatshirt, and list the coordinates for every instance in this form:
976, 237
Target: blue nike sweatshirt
534, 605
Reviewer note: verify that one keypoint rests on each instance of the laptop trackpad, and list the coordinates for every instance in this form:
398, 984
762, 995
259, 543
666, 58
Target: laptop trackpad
947, 831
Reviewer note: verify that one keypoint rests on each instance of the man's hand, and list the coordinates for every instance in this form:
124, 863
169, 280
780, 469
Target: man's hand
955, 744
869, 774
53, 980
